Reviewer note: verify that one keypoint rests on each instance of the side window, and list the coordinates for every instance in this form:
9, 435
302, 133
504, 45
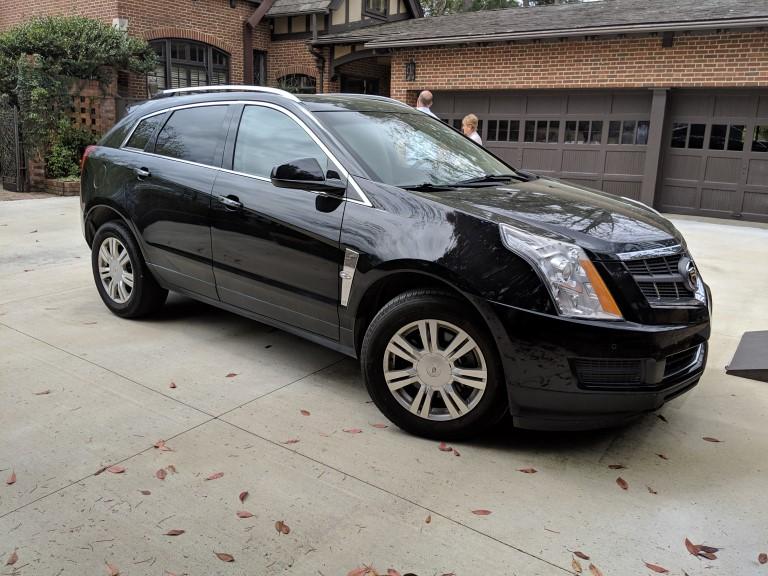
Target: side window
144, 132
267, 138
194, 134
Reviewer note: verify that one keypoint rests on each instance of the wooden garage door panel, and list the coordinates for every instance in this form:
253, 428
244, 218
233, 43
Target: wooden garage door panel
756, 204
506, 104
509, 155
633, 103
623, 188
625, 162
682, 167
692, 104
718, 199
477, 103
679, 196
722, 169
757, 173
585, 161
735, 105
595, 104
541, 159
544, 104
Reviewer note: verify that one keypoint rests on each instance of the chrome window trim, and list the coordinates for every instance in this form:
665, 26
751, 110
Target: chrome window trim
362, 198
664, 251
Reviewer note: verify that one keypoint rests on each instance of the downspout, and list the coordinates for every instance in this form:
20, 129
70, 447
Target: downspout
317, 54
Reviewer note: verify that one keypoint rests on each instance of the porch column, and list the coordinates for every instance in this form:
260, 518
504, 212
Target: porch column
651, 176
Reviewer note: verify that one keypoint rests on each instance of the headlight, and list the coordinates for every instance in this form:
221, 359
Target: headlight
575, 285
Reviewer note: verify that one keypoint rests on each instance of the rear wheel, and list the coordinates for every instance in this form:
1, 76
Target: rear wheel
122, 278
432, 368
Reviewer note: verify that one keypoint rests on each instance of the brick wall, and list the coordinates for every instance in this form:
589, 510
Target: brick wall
13, 12
727, 59
293, 57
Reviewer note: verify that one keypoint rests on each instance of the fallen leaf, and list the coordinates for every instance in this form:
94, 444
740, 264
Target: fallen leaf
708, 555
581, 555
215, 476
172, 385
12, 559
224, 557
691, 547
762, 558
622, 483
160, 444
116, 469
145, 492
380, 425
43, 393
443, 447
710, 439
527, 470
651, 490
576, 565
160, 474
456, 452
710, 549
12, 478
481, 512
662, 456
392, 572
231, 375
282, 527
661, 417
244, 514
291, 441
243, 495
362, 571
656, 568
428, 519
352, 430
112, 570
174, 532
594, 570
616, 466
171, 468
305, 412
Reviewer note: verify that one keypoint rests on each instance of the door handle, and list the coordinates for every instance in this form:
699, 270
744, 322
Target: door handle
141, 173
231, 202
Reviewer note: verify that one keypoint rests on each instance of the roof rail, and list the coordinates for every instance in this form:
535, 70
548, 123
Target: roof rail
228, 88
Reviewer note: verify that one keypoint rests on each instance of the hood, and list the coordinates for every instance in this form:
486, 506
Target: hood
595, 220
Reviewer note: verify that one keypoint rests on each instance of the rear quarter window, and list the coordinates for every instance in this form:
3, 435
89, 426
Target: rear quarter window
144, 132
194, 134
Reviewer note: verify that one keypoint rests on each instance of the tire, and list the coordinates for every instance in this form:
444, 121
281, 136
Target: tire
115, 246
386, 362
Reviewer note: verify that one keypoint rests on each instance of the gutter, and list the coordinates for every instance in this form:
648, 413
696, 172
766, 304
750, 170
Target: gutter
381, 42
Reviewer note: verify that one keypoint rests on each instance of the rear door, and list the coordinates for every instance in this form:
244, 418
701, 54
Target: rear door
170, 195
276, 250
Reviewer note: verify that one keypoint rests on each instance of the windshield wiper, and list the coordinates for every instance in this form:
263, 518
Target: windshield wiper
488, 178
427, 187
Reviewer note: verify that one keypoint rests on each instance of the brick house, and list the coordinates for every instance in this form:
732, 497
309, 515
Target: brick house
666, 102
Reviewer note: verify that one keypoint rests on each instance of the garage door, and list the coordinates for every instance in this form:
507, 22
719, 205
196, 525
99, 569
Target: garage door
596, 139
715, 160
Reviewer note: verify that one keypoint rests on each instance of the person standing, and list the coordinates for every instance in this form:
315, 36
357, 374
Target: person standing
424, 103
469, 128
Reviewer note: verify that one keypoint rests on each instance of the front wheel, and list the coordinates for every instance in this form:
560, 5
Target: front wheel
122, 278
431, 367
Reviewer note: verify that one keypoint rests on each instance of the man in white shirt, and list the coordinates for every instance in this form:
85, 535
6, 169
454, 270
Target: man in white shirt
469, 128
424, 103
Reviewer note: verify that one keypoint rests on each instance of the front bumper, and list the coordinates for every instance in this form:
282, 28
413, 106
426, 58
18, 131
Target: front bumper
636, 367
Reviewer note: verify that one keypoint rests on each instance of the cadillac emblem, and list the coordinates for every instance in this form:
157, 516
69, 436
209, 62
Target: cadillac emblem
688, 271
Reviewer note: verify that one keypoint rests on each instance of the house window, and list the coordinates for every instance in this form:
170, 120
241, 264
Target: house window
376, 7
259, 68
298, 84
686, 135
503, 131
633, 132
760, 139
182, 64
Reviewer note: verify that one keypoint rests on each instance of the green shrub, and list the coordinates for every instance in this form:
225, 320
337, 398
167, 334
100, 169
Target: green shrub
61, 162
69, 143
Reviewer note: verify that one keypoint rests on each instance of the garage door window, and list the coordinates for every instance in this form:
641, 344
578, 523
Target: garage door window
634, 132
583, 131
722, 135
760, 139
542, 131
686, 135
503, 131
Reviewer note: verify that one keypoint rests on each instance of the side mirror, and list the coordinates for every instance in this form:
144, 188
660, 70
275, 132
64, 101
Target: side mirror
306, 174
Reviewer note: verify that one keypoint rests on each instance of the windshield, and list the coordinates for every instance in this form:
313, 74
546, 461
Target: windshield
410, 149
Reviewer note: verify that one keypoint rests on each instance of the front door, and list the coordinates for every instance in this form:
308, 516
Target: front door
276, 250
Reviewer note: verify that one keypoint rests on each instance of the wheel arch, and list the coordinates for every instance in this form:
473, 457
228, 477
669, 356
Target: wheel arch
99, 214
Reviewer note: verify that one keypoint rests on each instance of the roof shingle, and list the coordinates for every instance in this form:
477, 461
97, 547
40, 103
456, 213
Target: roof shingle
290, 7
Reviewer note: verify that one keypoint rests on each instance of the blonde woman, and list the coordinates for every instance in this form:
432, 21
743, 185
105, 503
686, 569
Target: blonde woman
469, 127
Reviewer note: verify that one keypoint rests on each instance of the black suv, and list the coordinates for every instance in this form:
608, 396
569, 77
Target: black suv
467, 288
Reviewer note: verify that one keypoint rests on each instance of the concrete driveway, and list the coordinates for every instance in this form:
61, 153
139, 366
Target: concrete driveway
82, 389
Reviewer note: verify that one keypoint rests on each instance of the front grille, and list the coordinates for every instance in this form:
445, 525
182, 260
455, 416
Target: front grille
659, 279
595, 373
